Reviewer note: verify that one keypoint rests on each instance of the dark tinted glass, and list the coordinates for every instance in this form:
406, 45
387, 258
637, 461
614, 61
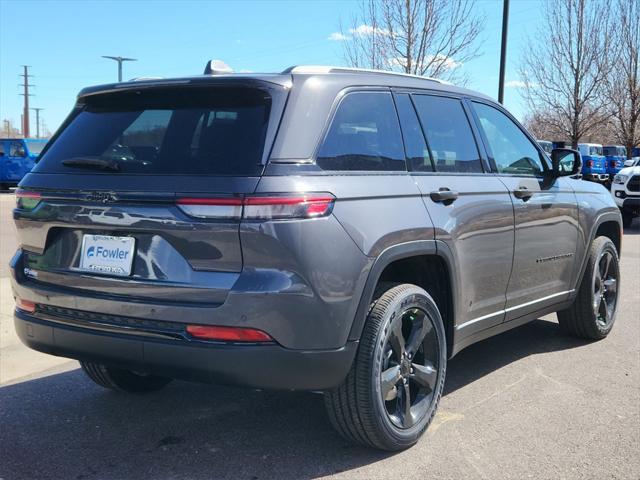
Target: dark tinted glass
414, 143
214, 131
449, 134
364, 135
511, 149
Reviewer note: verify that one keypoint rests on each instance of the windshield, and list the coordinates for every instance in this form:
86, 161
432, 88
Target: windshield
595, 151
188, 131
35, 146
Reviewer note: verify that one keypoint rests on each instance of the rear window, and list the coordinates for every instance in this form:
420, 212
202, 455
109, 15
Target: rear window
186, 131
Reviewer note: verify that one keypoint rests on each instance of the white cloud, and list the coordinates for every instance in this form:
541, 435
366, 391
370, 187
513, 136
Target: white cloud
515, 84
448, 63
364, 30
519, 84
338, 37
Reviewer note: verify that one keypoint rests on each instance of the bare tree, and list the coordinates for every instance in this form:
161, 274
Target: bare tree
623, 82
566, 64
422, 37
539, 125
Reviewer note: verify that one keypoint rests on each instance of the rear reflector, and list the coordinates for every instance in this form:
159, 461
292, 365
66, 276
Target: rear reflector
25, 305
228, 334
259, 207
26, 200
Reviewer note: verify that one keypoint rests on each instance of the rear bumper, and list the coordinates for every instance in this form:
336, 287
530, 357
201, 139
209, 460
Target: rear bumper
260, 366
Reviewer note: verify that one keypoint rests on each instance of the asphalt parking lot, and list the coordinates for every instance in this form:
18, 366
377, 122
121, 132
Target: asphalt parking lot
529, 403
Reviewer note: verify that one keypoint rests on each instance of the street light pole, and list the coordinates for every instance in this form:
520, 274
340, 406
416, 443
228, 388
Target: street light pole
120, 60
503, 49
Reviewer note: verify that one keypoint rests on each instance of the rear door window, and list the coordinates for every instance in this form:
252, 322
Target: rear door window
448, 134
186, 131
364, 135
414, 143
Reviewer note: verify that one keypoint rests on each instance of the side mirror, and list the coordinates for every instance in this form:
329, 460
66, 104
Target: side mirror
565, 162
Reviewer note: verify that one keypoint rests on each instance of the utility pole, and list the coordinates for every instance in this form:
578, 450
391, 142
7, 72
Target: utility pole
120, 60
37, 110
26, 94
503, 49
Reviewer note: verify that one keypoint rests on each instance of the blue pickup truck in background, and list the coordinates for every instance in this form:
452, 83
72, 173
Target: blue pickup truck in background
593, 162
615, 155
17, 157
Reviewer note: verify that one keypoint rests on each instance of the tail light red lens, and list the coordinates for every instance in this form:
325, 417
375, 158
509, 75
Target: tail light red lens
305, 206
25, 305
589, 163
228, 334
26, 200
223, 208
270, 207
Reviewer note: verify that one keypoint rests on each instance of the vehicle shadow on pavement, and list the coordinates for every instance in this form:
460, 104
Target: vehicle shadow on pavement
63, 426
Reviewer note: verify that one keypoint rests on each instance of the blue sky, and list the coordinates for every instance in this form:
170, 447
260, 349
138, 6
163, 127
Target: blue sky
63, 42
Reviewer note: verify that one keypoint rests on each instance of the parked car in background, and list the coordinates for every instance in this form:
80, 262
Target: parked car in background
625, 189
546, 145
632, 162
635, 152
614, 155
17, 157
593, 162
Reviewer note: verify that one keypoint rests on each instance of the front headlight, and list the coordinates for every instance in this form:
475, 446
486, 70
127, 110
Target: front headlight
619, 178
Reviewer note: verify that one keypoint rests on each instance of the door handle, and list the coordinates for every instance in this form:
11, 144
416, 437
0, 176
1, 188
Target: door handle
523, 193
443, 195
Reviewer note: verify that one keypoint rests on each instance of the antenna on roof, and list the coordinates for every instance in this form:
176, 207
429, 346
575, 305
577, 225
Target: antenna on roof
217, 67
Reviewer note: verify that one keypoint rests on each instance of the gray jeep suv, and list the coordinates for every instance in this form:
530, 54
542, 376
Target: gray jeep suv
326, 229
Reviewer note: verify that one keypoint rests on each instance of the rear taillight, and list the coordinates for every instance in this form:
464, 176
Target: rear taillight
277, 207
589, 163
26, 200
228, 334
263, 207
224, 208
25, 305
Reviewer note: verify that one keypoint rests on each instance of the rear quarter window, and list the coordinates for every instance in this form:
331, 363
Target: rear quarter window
364, 135
187, 131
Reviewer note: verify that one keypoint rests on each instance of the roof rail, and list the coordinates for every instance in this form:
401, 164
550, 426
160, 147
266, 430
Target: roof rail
311, 69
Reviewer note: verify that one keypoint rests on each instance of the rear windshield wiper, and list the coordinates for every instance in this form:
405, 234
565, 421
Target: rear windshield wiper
88, 162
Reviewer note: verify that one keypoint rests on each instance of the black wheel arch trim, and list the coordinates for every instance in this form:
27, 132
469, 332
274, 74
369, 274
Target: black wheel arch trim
398, 252
609, 216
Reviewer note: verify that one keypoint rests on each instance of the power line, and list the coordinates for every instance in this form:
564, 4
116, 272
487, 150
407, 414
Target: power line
25, 115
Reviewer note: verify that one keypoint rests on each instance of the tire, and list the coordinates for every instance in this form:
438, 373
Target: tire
369, 407
627, 219
593, 312
123, 380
